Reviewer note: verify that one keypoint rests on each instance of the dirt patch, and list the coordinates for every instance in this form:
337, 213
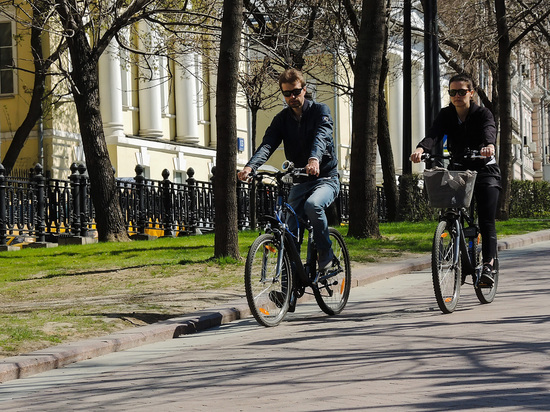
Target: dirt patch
44, 311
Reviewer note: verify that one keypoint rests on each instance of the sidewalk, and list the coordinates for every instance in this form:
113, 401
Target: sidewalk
58, 356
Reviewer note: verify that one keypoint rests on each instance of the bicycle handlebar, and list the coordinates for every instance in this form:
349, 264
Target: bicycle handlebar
288, 170
473, 154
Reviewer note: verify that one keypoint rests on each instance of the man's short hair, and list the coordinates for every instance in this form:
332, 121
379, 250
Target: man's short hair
291, 76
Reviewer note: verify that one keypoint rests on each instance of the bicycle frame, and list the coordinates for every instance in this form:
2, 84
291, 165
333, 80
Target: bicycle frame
287, 240
457, 217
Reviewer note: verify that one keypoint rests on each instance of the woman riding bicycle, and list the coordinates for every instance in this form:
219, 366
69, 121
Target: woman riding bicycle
467, 127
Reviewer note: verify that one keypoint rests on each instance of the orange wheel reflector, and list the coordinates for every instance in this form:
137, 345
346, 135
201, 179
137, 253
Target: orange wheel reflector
448, 299
342, 287
479, 239
444, 234
271, 248
264, 311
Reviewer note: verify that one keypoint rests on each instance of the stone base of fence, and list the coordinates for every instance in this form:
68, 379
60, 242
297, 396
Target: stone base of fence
7, 248
38, 245
140, 236
76, 240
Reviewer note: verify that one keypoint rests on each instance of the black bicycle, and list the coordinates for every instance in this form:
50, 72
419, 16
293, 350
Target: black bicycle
456, 250
275, 273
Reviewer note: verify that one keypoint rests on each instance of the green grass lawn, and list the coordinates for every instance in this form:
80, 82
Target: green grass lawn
66, 260
66, 293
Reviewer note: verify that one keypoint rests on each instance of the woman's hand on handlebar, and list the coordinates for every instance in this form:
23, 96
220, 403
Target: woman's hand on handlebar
416, 156
487, 151
244, 175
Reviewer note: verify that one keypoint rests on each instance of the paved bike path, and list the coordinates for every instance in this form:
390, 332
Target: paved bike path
58, 356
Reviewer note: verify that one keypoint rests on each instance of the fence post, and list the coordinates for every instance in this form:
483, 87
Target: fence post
85, 218
75, 190
167, 205
192, 185
3, 217
140, 191
41, 202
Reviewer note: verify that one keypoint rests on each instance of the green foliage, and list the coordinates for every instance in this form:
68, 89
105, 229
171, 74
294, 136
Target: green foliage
413, 201
530, 199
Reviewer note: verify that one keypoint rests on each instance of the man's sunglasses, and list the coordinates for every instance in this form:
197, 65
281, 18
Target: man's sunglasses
461, 92
295, 92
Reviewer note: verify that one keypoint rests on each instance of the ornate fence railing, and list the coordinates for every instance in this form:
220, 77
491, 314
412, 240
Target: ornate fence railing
45, 209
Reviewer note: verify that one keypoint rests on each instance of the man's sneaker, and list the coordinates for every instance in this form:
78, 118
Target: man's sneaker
277, 297
325, 259
487, 277
292, 303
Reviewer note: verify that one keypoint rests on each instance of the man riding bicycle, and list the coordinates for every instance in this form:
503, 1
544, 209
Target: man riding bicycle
305, 127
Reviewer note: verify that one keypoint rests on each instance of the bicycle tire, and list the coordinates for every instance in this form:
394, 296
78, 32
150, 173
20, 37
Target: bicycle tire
446, 277
332, 293
487, 295
267, 293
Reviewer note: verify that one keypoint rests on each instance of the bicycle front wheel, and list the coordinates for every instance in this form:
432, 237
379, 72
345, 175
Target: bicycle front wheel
446, 274
333, 287
268, 290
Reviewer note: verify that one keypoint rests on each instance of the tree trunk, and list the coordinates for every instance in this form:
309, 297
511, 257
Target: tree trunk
505, 104
386, 157
370, 50
225, 182
384, 143
85, 88
253, 128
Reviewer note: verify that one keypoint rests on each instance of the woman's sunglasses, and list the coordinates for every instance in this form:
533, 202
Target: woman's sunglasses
461, 92
295, 92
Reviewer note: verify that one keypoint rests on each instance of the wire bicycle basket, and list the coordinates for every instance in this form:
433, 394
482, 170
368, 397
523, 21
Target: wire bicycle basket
449, 188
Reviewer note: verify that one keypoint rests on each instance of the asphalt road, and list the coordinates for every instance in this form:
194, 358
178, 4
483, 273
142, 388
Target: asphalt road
391, 349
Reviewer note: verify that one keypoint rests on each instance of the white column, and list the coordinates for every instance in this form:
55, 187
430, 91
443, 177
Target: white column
150, 114
395, 118
110, 91
213, 123
187, 127
418, 108
418, 112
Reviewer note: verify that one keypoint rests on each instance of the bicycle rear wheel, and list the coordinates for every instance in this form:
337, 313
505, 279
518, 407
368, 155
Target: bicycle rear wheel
484, 294
332, 290
267, 292
446, 275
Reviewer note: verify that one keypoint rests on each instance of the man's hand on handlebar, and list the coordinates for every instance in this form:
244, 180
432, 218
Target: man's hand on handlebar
312, 167
244, 174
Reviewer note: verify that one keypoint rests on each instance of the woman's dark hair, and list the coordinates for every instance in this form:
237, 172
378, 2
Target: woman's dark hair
462, 77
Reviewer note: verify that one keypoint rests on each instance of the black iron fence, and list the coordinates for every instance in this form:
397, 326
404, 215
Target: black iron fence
46, 209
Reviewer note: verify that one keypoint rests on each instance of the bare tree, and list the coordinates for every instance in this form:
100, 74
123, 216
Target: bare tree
85, 33
38, 22
225, 183
494, 30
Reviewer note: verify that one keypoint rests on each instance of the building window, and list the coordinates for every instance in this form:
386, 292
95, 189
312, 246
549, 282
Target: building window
6, 59
179, 177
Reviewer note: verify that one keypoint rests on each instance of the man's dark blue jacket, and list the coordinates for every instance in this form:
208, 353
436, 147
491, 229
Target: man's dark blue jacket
311, 136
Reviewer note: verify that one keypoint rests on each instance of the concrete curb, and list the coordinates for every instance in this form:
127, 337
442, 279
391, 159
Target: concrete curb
58, 356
